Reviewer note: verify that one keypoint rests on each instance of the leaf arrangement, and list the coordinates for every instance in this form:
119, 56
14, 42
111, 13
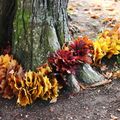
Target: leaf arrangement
63, 61
77, 52
66, 60
26, 86
82, 48
107, 44
45, 82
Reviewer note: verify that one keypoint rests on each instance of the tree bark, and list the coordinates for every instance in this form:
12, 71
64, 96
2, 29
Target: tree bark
40, 28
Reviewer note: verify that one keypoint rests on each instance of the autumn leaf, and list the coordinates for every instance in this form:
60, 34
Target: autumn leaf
107, 44
82, 48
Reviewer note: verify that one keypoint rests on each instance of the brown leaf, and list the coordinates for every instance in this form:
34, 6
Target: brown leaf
103, 68
8, 93
83, 87
116, 74
108, 19
103, 82
113, 117
110, 9
86, 9
53, 100
118, 109
94, 16
97, 9
108, 75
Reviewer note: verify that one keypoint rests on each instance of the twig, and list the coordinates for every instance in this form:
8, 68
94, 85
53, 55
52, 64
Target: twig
103, 82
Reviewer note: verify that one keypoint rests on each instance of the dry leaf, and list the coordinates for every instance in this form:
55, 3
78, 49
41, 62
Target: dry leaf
103, 68
94, 16
108, 75
103, 82
110, 9
113, 117
116, 74
53, 100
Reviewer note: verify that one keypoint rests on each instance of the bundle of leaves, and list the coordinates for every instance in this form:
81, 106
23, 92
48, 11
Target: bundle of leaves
37, 85
26, 86
66, 60
82, 48
7, 65
63, 62
107, 44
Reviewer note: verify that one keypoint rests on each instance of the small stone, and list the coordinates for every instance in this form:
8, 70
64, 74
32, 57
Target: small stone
51, 109
26, 116
86, 108
103, 107
88, 117
98, 91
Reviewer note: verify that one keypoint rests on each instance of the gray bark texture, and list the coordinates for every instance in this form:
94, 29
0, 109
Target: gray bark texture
73, 84
40, 27
87, 74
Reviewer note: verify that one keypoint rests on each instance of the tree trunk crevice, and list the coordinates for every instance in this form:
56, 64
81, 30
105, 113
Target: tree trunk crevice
7, 13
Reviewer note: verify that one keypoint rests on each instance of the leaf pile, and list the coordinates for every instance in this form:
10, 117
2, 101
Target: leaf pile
63, 61
26, 86
83, 49
66, 60
77, 52
107, 44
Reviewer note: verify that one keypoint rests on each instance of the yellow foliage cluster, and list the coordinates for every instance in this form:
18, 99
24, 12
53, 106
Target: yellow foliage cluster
37, 85
107, 44
26, 86
6, 64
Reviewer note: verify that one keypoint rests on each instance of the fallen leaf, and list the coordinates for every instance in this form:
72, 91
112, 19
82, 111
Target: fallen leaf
82, 86
86, 9
97, 9
108, 75
108, 19
103, 68
94, 16
103, 82
116, 74
118, 109
113, 117
110, 9
53, 100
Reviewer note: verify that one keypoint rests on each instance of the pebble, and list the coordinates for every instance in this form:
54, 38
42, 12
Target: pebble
103, 107
26, 116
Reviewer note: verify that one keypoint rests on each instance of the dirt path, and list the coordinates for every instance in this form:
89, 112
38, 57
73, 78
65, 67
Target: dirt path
102, 103
89, 17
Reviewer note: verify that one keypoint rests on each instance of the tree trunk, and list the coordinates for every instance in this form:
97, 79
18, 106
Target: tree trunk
7, 13
40, 28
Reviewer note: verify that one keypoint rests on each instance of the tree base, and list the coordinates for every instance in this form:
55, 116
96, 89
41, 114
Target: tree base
85, 73
73, 84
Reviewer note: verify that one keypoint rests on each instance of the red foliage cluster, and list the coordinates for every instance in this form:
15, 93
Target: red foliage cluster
82, 48
65, 60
